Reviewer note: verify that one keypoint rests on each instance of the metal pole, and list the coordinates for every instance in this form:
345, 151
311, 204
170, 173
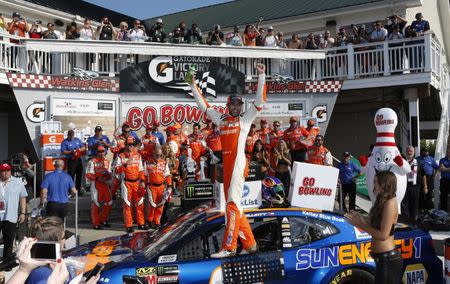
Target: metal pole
76, 218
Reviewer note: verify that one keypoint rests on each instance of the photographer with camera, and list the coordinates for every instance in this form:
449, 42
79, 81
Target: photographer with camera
157, 33
17, 27
420, 25
194, 35
234, 38
215, 37
310, 42
50, 32
137, 33
12, 201
87, 32
106, 31
35, 30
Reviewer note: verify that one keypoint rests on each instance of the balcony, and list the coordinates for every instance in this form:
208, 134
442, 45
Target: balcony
418, 60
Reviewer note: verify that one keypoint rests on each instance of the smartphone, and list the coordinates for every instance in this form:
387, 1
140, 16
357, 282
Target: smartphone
98, 267
44, 250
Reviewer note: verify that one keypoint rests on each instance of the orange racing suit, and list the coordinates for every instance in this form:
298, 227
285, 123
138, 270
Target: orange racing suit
99, 172
130, 171
250, 143
149, 143
233, 134
318, 155
157, 177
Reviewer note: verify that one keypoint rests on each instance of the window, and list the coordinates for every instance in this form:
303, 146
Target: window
306, 230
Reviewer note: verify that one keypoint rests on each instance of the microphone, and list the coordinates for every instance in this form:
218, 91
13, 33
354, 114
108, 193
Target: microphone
9, 263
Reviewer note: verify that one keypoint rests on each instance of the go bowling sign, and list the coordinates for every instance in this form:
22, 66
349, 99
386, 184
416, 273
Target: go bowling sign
313, 186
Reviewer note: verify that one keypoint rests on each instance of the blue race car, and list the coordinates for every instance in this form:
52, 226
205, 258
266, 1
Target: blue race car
295, 245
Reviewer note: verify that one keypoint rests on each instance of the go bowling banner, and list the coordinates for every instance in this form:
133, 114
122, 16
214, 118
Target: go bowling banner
313, 186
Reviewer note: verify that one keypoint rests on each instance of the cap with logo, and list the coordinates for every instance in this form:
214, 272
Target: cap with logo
346, 154
98, 128
5, 167
235, 98
102, 149
171, 129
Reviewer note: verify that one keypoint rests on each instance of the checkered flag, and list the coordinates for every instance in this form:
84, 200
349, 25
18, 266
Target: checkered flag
208, 85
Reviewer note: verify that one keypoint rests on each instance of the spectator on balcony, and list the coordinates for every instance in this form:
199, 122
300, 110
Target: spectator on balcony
270, 39
123, 34
310, 42
87, 32
137, 33
157, 33
50, 32
341, 37
106, 30
250, 34
295, 42
281, 43
72, 31
379, 34
215, 37
393, 21
234, 38
35, 31
176, 36
396, 33
17, 27
183, 31
364, 33
420, 25
2, 23
328, 41
260, 38
194, 35
353, 34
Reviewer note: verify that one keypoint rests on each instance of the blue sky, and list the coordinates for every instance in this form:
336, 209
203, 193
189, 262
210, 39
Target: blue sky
144, 9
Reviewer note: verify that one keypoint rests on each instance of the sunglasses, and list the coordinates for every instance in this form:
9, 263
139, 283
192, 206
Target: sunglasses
276, 125
126, 131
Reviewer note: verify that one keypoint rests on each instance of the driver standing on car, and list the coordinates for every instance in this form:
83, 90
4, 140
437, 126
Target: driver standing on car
234, 127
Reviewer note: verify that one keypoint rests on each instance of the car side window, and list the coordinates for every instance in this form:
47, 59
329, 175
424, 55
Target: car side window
307, 230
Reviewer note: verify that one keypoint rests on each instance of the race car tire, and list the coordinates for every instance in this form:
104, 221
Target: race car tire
353, 276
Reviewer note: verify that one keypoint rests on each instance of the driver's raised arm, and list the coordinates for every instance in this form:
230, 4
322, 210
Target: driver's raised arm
203, 104
261, 98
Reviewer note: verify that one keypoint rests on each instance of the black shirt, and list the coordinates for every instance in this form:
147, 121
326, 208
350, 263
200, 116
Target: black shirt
106, 33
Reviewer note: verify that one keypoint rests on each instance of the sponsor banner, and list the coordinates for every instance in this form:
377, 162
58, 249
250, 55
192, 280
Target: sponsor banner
167, 270
351, 254
277, 87
167, 74
361, 235
277, 109
415, 274
313, 186
198, 191
140, 114
81, 107
36, 112
168, 279
251, 195
33, 81
144, 271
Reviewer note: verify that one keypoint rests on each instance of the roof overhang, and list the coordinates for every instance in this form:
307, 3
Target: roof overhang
145, 48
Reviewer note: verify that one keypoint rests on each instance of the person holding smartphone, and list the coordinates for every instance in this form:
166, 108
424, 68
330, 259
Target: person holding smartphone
106, 31
380, 225
215, 37
17, 27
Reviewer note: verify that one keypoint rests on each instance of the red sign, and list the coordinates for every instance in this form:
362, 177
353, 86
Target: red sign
308, 188
167, 114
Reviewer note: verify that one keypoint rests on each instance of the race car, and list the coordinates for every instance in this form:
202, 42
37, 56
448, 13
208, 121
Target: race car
295, 246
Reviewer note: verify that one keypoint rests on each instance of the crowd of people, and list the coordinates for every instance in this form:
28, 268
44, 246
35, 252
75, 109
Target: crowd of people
393, 27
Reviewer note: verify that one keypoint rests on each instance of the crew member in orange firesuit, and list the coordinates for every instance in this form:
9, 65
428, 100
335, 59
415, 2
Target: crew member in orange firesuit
318, 154
149, 141
99, 173
264, 131
308, 140
293, 137
130, 171
159, 187
274, 136
208, 129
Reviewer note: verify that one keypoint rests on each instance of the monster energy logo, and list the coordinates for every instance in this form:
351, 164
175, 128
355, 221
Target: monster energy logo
190, 191
199, 191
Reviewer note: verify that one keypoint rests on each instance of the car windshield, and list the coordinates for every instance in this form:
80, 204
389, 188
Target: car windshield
165, 236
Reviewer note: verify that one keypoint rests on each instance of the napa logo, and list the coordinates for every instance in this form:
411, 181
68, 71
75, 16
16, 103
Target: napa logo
415, 274
246, 191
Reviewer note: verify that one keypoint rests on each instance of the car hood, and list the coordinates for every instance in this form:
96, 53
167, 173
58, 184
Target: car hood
112, 249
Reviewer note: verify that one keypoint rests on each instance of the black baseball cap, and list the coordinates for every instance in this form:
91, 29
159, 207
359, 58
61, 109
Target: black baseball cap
16, 14
346, 154
98, 128
235, 98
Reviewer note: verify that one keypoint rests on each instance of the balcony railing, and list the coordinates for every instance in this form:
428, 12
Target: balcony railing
378, 59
